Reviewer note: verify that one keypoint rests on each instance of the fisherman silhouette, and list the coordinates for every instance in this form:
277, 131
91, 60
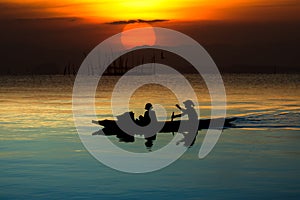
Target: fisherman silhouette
189, 134
149, 117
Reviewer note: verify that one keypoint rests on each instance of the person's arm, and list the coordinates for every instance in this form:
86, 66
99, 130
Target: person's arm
183, 111
182, 114
178, 106
175, 116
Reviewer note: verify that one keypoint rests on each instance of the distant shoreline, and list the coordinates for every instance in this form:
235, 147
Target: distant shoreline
223, 73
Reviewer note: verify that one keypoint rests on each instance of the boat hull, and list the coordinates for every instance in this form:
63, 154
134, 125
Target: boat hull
110, 127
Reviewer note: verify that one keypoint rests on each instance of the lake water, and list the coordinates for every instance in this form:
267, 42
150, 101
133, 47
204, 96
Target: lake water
42, 156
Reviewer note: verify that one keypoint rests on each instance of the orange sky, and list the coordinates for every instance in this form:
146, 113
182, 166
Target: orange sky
187, 10
39, 33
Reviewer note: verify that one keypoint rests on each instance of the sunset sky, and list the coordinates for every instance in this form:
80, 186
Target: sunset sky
103, 10
41, 33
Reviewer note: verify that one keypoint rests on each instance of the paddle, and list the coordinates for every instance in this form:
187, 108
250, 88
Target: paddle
172, 117
178, 106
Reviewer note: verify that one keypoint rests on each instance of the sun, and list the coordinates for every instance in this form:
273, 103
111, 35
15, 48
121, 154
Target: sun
138, 34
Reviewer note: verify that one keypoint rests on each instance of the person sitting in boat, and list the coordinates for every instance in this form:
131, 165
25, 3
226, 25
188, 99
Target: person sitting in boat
189, 133
149, 117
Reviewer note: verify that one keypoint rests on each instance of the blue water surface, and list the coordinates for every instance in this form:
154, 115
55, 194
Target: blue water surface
42, 157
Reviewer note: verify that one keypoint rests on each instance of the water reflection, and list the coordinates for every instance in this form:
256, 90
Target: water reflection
45, 101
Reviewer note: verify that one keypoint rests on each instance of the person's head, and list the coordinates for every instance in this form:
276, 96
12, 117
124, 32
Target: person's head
188, 104
148, 106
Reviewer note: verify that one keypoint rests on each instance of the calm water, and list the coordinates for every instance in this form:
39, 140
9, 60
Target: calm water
42, 157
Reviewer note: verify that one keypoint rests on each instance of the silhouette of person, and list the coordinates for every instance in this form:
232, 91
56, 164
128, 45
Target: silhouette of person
189, 134
149, 117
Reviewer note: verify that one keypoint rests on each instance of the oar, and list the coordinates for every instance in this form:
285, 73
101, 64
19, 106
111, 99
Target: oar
178, 106
172, 117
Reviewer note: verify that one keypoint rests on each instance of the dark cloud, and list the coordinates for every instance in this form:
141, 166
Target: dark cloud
277, 5
132, 21
70, 19
10, 10
43, 10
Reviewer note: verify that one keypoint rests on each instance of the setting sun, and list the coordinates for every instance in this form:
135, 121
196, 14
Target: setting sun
142, 35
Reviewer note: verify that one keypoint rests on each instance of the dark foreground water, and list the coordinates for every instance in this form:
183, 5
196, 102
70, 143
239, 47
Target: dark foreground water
42, 157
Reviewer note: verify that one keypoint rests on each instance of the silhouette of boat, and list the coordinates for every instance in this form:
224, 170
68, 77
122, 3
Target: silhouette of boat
110, 127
